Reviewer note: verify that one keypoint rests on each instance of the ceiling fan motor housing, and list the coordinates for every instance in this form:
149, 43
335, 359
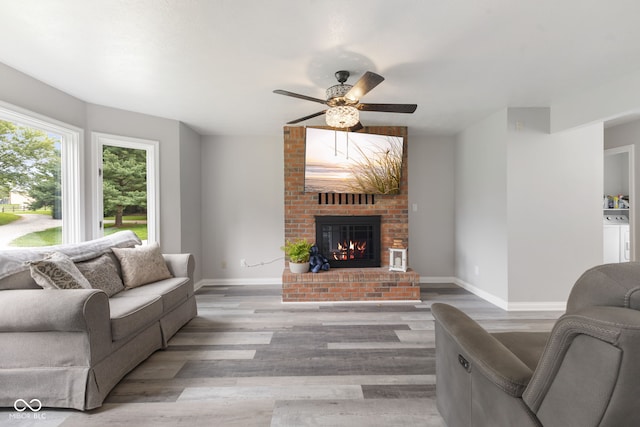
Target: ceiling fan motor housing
338, 91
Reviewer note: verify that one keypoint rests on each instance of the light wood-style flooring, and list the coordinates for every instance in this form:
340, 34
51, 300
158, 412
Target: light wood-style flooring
250, 360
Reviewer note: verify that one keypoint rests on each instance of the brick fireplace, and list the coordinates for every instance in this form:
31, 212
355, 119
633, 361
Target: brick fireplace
301, 210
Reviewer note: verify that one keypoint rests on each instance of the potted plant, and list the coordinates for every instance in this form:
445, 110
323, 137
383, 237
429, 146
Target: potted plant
298, 252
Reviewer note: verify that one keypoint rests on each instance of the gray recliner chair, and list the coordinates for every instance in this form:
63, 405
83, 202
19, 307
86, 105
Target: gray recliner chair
585, 372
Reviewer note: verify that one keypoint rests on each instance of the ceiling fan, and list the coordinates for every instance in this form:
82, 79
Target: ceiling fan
344, 104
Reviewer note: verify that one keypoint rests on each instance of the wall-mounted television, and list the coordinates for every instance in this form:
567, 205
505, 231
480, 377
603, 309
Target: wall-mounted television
352, 163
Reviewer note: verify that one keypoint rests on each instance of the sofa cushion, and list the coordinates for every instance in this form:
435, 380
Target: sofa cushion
172, 291
130, 313
142, 265
57, 271
13, 261
101, 272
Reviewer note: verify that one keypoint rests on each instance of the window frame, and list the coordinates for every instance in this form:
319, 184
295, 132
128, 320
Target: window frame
152, 148
72, 170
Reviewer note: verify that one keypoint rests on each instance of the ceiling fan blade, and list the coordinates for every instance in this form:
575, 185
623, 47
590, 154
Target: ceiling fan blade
388, 108
297, 95
367, 82
310, 116
356, 127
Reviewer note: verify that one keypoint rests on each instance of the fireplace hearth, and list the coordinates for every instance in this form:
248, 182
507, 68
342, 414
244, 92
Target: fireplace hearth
349, 241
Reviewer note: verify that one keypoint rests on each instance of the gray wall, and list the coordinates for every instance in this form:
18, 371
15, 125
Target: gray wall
222, 197
431, 188
179, 230
191, 195
554, 188
126, 123
26, 92
242, 207
528, 207
481, 205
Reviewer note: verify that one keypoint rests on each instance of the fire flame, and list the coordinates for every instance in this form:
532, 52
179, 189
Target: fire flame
352, 250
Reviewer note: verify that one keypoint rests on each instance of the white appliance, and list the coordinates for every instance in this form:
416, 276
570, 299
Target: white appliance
616, 239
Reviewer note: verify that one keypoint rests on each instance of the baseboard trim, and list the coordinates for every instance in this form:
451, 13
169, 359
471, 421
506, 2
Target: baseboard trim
499, 302
247, 281
386, 301
198, 285
538, 306
437, 279
512, 306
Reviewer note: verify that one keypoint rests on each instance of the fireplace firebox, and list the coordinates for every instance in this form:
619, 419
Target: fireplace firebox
349, 241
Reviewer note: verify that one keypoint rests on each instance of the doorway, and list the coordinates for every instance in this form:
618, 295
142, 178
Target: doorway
619, 205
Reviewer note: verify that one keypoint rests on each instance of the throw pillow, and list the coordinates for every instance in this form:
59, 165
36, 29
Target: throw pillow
57, 271
101, 272
141, 265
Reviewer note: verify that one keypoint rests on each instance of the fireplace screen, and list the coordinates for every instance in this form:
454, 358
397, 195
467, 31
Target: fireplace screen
349, 241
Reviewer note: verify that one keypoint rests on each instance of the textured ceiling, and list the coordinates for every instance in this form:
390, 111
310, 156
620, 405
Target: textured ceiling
214, 63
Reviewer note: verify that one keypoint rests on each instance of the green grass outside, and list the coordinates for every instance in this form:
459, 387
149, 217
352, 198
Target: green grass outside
48, 237
139, 229
17, 209
6, 218
53, 236
129, 218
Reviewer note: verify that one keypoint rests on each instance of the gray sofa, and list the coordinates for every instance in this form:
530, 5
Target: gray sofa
70, 347
585, 372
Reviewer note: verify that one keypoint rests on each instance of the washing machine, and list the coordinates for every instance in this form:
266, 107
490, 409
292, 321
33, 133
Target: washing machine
616, 240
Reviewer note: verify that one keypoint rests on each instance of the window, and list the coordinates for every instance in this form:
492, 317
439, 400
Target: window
126, 177
47, 174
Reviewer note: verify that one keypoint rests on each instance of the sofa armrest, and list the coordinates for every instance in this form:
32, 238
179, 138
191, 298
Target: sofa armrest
482, 351
49, 319
43, 310
180, 265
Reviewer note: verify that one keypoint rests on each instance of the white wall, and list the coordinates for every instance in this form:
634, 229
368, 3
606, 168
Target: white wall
242, 207
554, 190
431, 189
481, 206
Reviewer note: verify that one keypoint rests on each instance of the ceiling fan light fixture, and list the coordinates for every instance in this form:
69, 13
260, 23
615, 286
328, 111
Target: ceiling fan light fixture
342, 116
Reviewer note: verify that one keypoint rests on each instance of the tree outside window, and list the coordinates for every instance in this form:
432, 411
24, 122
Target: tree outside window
124, 186
30, 162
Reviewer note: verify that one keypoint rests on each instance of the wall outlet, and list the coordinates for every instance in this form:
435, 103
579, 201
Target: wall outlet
224, 264
243, 262
476, 270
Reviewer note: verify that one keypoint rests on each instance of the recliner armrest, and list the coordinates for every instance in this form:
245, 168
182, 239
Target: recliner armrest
482, 351
607, 324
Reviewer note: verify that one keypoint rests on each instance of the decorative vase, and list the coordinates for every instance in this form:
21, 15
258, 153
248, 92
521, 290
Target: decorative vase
298, 268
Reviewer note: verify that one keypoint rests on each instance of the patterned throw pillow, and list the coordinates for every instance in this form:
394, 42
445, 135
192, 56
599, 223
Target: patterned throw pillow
141, 265
101, 272
57, 271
